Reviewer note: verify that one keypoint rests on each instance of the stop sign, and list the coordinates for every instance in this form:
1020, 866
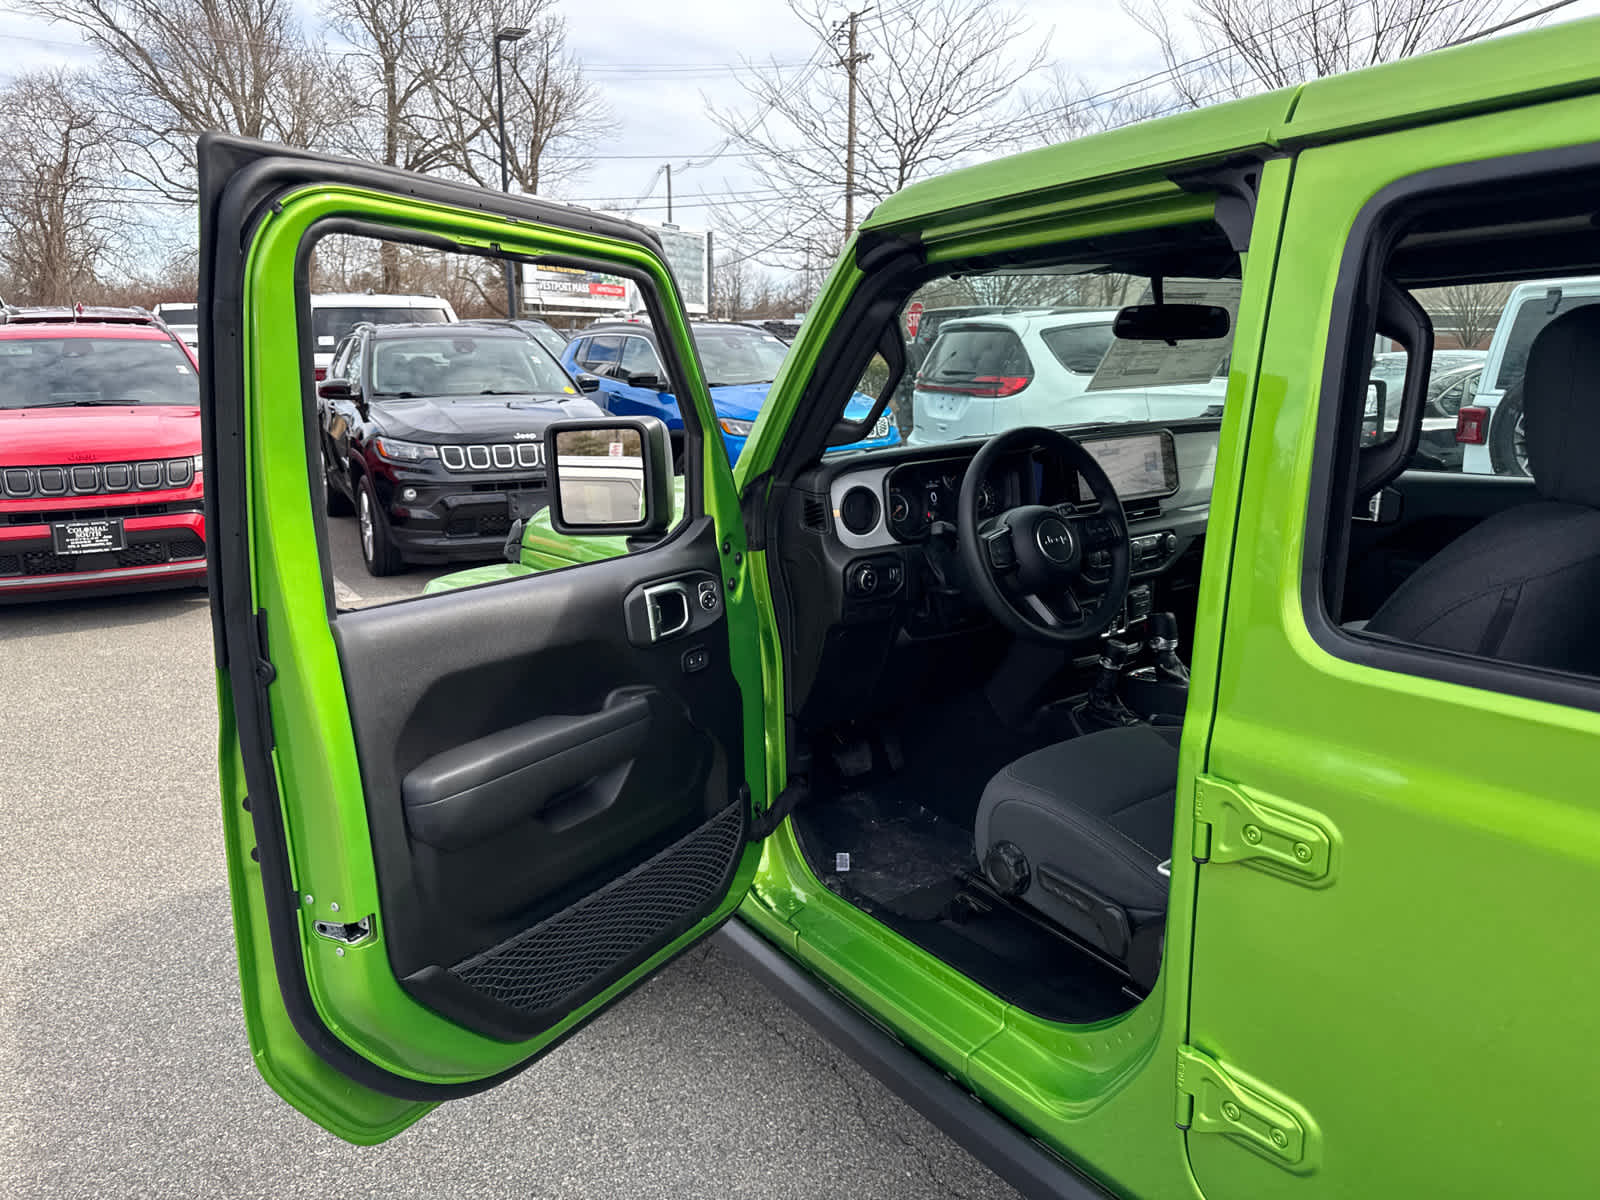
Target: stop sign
913, 318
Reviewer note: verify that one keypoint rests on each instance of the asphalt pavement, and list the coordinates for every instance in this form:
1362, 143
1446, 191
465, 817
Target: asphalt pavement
124, 1069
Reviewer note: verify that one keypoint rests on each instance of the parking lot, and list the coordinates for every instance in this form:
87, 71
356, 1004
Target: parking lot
124, 1068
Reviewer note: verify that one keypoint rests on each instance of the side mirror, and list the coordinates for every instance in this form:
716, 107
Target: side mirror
644, 379
336, 389
610, 476
1171, 323
587, 382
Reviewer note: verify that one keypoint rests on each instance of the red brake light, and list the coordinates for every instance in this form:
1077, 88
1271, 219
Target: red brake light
1472, 425
980, 385
322, 373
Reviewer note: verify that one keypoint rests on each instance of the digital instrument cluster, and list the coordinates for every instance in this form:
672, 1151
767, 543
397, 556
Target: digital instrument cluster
922, 493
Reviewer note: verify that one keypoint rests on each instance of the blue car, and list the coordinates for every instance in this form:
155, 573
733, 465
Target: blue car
740, 362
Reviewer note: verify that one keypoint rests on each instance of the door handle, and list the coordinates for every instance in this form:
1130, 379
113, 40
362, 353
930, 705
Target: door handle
667, 609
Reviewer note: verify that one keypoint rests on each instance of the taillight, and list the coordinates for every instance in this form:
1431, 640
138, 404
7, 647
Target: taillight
322, 373
994, 386
1472, 425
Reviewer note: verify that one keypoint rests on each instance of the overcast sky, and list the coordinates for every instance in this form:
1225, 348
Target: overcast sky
661, 113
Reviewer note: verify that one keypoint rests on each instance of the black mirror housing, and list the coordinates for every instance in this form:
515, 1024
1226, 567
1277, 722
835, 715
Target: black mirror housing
609, 475
587, 382
1171, 323
336, 389
644, 379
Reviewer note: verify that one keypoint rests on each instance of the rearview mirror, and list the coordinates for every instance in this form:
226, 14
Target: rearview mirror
1171, 323
587, 382
610, 476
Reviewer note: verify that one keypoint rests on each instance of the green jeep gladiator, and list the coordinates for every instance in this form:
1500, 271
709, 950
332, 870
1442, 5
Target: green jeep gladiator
1188, 807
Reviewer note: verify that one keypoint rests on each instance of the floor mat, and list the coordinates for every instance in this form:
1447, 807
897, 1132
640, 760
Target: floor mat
909, 867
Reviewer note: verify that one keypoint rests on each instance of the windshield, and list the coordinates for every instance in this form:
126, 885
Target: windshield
1037, 348
737, 356
57, 372
330, 324
466, 365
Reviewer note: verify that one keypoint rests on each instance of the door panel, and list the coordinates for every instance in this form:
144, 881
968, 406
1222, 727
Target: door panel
1408, 1013
457, 825
517, 765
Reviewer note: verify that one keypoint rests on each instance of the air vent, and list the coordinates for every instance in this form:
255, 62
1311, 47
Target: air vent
814, 513
859, 510
1142, 510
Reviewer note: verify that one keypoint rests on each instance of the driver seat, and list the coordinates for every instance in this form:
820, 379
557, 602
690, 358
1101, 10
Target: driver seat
1081, 832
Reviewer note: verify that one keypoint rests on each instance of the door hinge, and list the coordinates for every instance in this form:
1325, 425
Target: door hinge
1213, 1100
1230, 826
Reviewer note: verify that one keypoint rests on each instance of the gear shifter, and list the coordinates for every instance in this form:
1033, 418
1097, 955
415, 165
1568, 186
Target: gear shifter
1164, 645
1104, 708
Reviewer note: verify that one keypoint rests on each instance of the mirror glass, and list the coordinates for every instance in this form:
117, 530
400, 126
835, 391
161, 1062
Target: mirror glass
1172, 323
601, 476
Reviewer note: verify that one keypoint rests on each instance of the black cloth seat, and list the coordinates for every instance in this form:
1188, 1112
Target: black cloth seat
1078, 831
1521, 585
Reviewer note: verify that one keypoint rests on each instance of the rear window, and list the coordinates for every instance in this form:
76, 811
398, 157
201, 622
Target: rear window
1532, 317
328, 325
1078, 348
59, 372
974, 354
186, 314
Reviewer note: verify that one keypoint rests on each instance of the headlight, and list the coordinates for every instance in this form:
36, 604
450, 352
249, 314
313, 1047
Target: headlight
736, 428
397, 451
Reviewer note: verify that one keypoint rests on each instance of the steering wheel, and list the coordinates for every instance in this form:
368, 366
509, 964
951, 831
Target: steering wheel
1027, 563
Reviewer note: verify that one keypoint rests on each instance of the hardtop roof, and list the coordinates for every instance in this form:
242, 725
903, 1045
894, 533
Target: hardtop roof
1495, 73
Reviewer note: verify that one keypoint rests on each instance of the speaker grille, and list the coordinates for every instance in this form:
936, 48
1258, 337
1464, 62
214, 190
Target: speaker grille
564, 956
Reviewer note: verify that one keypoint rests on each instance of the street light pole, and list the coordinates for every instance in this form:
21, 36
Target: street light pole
511, 33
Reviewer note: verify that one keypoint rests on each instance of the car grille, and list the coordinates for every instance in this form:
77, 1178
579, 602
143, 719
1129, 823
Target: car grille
487, 525
506, 456
96, 479
148, 552
34, 516
880, 428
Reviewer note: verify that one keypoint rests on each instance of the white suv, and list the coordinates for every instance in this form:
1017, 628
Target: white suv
1495, 445
991, 373
334, 314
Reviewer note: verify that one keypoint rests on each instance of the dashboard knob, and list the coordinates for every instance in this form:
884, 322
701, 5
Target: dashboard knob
864, 579
1169, 543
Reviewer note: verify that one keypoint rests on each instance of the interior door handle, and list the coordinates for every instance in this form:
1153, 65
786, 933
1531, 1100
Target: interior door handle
667, 609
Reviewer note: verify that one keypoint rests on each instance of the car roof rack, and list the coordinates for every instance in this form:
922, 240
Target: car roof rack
81, 314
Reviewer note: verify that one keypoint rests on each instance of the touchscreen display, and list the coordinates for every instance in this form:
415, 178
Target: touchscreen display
1143, 464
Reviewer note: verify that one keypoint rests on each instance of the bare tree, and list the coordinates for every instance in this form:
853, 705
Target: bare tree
553, 114
170, 71
57, 220
1470, 311
936, 86
1239, 47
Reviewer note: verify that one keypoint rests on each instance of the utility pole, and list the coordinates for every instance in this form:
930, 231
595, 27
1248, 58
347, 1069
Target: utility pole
669, 193
851, 60
511, 33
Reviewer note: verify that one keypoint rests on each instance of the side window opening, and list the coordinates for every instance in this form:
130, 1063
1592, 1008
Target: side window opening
1485, 572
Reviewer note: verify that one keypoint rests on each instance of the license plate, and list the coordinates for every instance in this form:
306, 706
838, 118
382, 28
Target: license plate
88, 537
881, 429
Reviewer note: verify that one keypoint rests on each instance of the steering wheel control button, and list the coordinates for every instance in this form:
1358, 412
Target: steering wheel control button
1055, 540
697, 659
708, 596
1002, 554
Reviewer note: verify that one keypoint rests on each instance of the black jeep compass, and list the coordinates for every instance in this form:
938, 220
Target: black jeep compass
434, 436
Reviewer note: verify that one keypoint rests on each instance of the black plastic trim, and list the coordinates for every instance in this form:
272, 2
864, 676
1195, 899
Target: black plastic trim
1237, 184
1331, 464
1021, 1161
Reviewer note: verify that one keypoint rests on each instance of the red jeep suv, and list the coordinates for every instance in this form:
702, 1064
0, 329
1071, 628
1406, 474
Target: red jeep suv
100, 472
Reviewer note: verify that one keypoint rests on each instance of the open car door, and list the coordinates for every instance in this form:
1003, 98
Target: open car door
459, 825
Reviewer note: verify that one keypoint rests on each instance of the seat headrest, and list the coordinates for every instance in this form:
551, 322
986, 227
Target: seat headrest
1561, 407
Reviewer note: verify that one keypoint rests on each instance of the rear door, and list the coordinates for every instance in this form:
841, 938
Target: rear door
458, 825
